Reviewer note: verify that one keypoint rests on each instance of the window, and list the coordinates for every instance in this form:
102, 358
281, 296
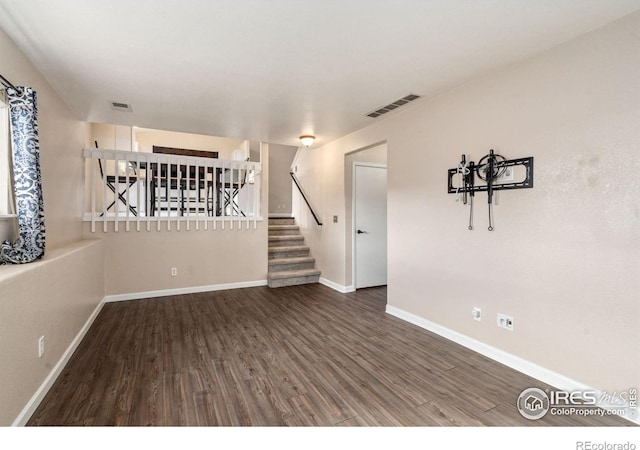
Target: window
6, 190
6, 185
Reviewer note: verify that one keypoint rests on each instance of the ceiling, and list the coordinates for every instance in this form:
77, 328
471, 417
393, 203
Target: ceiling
272, 70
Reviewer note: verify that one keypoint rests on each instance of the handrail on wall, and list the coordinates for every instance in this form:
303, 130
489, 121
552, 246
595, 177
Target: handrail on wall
304, 196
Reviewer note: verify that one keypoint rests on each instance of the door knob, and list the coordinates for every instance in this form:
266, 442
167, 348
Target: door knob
361, 232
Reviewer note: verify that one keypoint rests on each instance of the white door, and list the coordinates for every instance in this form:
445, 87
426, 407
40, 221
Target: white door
370, 225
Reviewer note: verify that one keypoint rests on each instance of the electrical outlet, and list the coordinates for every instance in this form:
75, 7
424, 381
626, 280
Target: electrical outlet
476, 313
505, 322
335, 219
40, 346
174, 271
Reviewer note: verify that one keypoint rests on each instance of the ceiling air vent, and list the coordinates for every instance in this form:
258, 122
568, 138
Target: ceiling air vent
393, 105
119, 106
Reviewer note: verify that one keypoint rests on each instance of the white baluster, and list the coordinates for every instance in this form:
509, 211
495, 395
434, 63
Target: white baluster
137, 175
186, 197
205, 184
157, 194
215, 180
197, 189
126, 191
222, 200
170, 201
256, 192
104, 193
92, 187
115, 194
232, 219
147, 190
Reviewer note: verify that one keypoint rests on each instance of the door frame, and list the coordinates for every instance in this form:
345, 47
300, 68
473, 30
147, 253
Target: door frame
354, 280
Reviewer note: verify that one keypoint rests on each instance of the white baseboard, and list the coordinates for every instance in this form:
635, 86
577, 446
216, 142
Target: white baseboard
515, 362
336, 286
180, 291
35, 400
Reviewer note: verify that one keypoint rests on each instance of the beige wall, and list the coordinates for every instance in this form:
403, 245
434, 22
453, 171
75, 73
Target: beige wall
119, 137
564, 258
141, 262
280, 158
224, 146
53, 297
108, 136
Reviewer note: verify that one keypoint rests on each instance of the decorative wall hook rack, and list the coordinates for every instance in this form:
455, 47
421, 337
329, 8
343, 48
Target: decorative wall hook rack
492, 170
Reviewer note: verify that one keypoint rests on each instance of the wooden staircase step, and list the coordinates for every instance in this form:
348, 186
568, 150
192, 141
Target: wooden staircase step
287, 264
289, 251
282, 221
284, 230
293, 277
285, 241
289, 260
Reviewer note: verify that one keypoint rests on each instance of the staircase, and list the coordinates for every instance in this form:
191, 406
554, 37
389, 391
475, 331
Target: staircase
289, 260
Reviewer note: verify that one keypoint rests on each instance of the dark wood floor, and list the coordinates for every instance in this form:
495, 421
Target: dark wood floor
298, 356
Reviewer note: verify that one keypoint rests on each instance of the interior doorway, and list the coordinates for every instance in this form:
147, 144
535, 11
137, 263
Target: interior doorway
369, 224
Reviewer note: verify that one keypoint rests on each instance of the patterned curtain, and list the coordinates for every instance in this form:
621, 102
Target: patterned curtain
27, 181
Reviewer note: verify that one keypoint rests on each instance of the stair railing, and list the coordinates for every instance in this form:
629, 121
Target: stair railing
153, 189
304, 196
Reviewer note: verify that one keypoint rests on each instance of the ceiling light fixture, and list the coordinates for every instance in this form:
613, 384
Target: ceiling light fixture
307, 139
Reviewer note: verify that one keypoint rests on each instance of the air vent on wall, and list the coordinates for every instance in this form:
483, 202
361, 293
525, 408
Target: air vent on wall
119, 106
393, 105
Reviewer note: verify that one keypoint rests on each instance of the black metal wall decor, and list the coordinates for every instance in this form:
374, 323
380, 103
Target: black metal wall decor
490, 169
